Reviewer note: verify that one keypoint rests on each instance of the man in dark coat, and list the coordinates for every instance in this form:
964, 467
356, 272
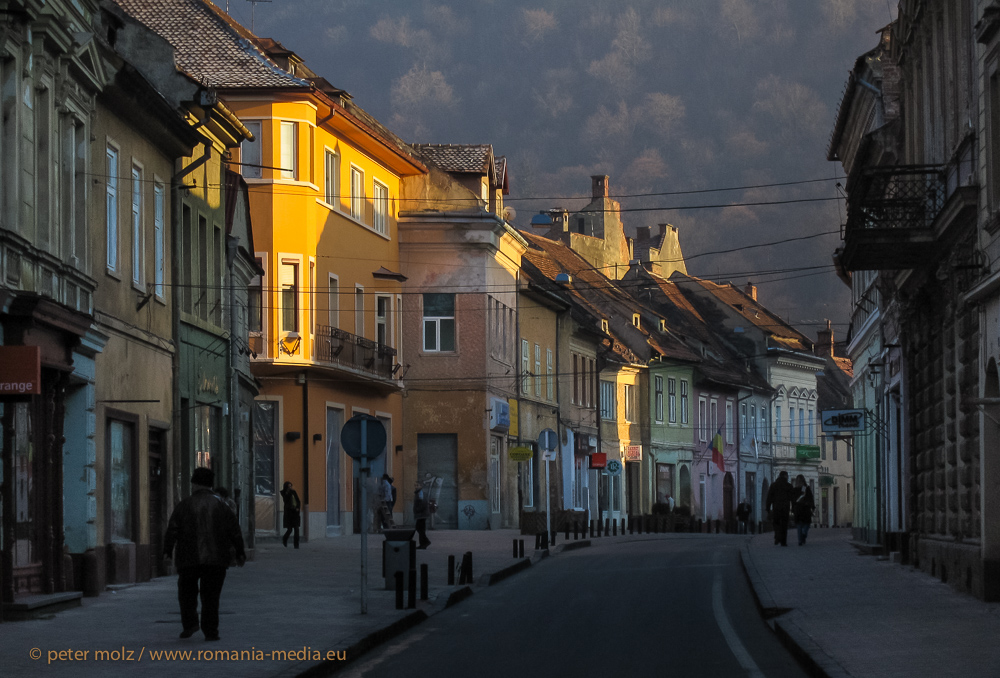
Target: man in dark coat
207, 537
292, 514
779, 504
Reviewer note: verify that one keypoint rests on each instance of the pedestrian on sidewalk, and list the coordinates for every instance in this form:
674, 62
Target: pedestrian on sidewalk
207, 537
386, 499
743, 510
292, 513
779, 503
803, 508
421, 511
223, 494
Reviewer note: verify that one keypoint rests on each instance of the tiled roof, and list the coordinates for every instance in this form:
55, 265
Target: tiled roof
474, 158
211, 48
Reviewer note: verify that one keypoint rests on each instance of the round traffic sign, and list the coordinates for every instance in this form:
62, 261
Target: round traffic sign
614, 467
547, 440
374, 433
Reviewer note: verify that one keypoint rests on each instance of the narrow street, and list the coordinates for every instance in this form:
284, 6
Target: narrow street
631, 609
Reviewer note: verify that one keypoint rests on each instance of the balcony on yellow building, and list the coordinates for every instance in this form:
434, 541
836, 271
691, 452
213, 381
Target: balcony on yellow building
333, 348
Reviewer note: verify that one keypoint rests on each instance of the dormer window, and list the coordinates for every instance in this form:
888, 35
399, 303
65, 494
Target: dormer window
635, 320
663, 325
604, 325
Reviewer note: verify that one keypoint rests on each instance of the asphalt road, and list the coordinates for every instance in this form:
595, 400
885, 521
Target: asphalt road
679, 606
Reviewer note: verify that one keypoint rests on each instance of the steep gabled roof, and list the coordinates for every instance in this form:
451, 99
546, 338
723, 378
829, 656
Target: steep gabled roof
211, 48
461, 158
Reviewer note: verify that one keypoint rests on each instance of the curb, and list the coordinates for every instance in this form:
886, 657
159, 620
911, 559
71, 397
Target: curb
458, 596
367, 643
508, 571
571, 546
800, 644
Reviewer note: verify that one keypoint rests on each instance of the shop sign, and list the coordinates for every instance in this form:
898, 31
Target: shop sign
499, 414
598, 460
20, 370
514, 424
633, 453
842, 421
807, 451
520, 453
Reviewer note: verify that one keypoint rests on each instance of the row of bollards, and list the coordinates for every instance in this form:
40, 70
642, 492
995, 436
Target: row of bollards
411, 589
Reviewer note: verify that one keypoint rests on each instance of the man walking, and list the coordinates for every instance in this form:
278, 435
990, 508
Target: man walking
207, 536
421, 511
779, 504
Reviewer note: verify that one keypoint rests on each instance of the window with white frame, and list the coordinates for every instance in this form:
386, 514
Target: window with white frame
812, 433
777, 423
383, 320
525, 367
538, 370
357, 194
380, 208
658, 398
714, 405
802, 425
359, 310
730, 424
137, 248
333, 305
288, 284
289, 150
703, 424
550, 384
753, 421
743, 420
684, 401
255, 301
439, 322
630, 413
331, 182
159, 245
608, 400
763, 425
250, 164
111, 202
672, 399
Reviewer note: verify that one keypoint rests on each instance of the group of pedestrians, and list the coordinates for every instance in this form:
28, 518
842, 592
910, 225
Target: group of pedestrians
785, 501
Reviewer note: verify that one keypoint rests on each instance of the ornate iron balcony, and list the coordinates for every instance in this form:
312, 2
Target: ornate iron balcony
898, 197
335, 346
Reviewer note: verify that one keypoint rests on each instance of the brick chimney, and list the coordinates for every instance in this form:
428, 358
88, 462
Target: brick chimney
824, 341
751, 290
599, 186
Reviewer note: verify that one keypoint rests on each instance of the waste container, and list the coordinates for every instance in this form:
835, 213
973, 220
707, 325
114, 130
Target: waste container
399, 554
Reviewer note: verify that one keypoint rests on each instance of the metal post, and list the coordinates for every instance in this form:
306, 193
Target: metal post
423, 581
451, 570
398, 576
515, 548
411, 598
364, 511
520, 548
548, 498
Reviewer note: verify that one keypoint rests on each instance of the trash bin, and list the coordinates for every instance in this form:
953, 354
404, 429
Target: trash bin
399, 554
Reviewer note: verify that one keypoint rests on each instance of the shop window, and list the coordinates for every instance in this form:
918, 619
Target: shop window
121, 453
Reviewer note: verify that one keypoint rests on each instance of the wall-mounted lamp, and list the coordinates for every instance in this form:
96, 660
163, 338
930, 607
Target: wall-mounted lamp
292, 436
317, 437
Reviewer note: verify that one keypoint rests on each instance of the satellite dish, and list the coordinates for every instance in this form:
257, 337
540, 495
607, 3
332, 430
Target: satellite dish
509, 214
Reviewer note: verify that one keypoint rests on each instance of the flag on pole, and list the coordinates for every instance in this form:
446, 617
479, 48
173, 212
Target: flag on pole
717, 446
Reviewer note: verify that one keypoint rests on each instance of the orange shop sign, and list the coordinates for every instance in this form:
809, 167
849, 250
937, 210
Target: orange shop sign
20, 370
633, 453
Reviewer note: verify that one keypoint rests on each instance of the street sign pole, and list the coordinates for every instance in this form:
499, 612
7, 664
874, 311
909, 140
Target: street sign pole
547, 442
364, 516
548, 503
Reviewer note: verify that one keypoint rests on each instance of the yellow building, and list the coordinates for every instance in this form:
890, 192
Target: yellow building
323, 182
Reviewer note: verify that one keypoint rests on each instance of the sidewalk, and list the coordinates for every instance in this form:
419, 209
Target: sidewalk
306, 601
854, 615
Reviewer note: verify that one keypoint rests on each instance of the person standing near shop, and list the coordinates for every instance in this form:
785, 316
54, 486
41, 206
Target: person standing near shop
205, 536
421, 511
292, 517
803, 507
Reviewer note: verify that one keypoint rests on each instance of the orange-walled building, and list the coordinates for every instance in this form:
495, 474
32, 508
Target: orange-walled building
323, 181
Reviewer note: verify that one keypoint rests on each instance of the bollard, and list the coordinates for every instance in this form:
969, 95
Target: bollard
520, 548
614, 528
599, 523
399, 590
538, 541
423, 581
554, 533
451, 570
567, 532
607, 527
591, 528
515, 548
469, 557
411, 602
576, 530
623, 527
545, 539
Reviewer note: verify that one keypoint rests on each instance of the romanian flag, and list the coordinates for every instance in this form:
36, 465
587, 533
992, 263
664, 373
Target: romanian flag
717, 446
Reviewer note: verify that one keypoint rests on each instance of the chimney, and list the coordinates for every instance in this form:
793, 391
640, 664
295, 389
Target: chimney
824, 341
751, 290
599, 186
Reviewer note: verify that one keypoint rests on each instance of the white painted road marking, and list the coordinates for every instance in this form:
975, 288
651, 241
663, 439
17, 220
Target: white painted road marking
729, 633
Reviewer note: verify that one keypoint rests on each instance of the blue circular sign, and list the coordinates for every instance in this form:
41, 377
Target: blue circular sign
350, 436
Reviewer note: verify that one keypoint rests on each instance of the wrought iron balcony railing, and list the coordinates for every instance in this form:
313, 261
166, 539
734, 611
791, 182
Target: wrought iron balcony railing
335, 346
896, 197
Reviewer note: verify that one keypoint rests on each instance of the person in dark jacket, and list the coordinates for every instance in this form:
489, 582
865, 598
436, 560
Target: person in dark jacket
779, 504
421, 511
803, 507
292, 513
207, 537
